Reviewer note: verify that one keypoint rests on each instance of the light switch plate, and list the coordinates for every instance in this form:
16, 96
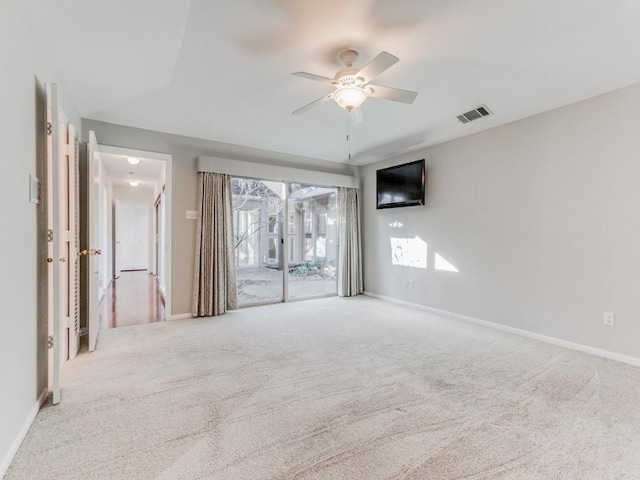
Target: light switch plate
34, 190
609, 319
192, 215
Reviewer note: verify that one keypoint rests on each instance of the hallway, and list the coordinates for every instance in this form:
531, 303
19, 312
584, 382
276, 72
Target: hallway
133, 298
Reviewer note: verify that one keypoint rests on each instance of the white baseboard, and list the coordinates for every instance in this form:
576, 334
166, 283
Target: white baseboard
181, 316
516, 331
15, 446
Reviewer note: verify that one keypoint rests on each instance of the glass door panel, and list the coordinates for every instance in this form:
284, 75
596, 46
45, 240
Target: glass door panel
258, 214
312, 230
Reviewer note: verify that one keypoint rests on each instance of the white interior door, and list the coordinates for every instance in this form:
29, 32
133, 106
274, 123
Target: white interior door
141, 237
132, 236
72, 243
54, 228
93, 195
68, 243
161, 241
62, 194
124, 237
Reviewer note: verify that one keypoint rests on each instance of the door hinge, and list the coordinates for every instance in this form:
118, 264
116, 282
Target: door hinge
50, 342
49, 128
71, 150
50, 235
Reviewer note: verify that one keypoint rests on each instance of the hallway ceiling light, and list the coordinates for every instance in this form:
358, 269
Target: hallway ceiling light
133, 160
133, 183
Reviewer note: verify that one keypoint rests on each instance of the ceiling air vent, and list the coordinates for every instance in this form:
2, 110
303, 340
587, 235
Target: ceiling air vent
476, 113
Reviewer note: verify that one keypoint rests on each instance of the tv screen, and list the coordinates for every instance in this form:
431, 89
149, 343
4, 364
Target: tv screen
401, 185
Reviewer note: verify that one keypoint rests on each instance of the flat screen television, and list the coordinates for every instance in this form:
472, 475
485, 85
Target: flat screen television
401, 185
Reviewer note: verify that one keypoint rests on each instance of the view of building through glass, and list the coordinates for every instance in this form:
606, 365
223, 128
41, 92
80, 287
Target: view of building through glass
261, 238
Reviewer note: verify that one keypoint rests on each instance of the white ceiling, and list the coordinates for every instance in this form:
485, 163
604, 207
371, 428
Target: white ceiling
220, 70
149, 172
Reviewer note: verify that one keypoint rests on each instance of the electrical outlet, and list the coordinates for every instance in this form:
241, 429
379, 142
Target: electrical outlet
609, 319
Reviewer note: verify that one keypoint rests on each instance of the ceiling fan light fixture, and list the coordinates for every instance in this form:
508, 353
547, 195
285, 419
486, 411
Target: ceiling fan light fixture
349, 97
353, 86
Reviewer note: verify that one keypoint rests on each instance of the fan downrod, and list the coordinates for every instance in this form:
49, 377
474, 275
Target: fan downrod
348, 57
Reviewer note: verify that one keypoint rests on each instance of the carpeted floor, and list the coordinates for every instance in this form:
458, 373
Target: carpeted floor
335, 389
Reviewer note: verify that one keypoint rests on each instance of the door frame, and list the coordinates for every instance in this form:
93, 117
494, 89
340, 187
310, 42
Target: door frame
168, 159
282, 237
54, 235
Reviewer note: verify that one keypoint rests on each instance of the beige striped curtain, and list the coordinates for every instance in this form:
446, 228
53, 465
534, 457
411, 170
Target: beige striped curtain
214, 274
351, 281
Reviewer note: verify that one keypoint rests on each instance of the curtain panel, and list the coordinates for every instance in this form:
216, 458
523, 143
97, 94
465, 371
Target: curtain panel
214, 273
351, 281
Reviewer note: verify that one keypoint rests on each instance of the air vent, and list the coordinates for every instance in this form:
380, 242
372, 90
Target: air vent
481, 111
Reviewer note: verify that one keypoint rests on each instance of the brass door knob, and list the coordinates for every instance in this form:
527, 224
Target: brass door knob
90, 251
49, 259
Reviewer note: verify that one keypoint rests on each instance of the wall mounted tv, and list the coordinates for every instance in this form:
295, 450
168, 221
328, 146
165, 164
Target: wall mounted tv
401, 185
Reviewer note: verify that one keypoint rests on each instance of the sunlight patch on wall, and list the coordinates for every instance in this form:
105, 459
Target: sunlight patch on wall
409, 252
443, 265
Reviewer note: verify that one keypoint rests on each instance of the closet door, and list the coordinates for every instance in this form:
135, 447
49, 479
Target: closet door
55, 229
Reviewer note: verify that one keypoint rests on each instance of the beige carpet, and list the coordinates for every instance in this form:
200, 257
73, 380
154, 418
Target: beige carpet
335, 389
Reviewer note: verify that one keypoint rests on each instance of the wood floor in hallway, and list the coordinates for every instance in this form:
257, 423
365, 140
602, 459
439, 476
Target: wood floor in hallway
133, 298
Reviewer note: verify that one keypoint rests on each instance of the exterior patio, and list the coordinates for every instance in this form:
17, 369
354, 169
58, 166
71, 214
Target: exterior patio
307, 239
262, 285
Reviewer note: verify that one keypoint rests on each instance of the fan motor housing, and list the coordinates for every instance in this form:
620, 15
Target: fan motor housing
348, 57
346, 76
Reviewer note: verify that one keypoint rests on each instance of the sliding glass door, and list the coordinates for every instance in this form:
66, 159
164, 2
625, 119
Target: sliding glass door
307, 240
257, 223
312, 238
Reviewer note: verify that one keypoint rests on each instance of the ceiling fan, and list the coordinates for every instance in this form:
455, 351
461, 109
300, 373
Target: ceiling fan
352, 86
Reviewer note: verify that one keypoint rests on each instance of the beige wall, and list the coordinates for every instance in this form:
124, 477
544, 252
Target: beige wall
184, 151
540, 216
23, 63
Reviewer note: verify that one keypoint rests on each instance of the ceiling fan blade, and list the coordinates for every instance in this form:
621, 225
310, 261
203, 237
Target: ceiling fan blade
311, 76
320, 100
394, 94
356, 115
376, 66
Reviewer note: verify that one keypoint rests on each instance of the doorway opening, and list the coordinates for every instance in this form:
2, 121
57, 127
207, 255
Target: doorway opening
286, 240
135, 273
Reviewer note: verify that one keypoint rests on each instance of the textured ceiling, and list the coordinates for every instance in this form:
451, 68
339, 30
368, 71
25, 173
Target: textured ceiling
221, 70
